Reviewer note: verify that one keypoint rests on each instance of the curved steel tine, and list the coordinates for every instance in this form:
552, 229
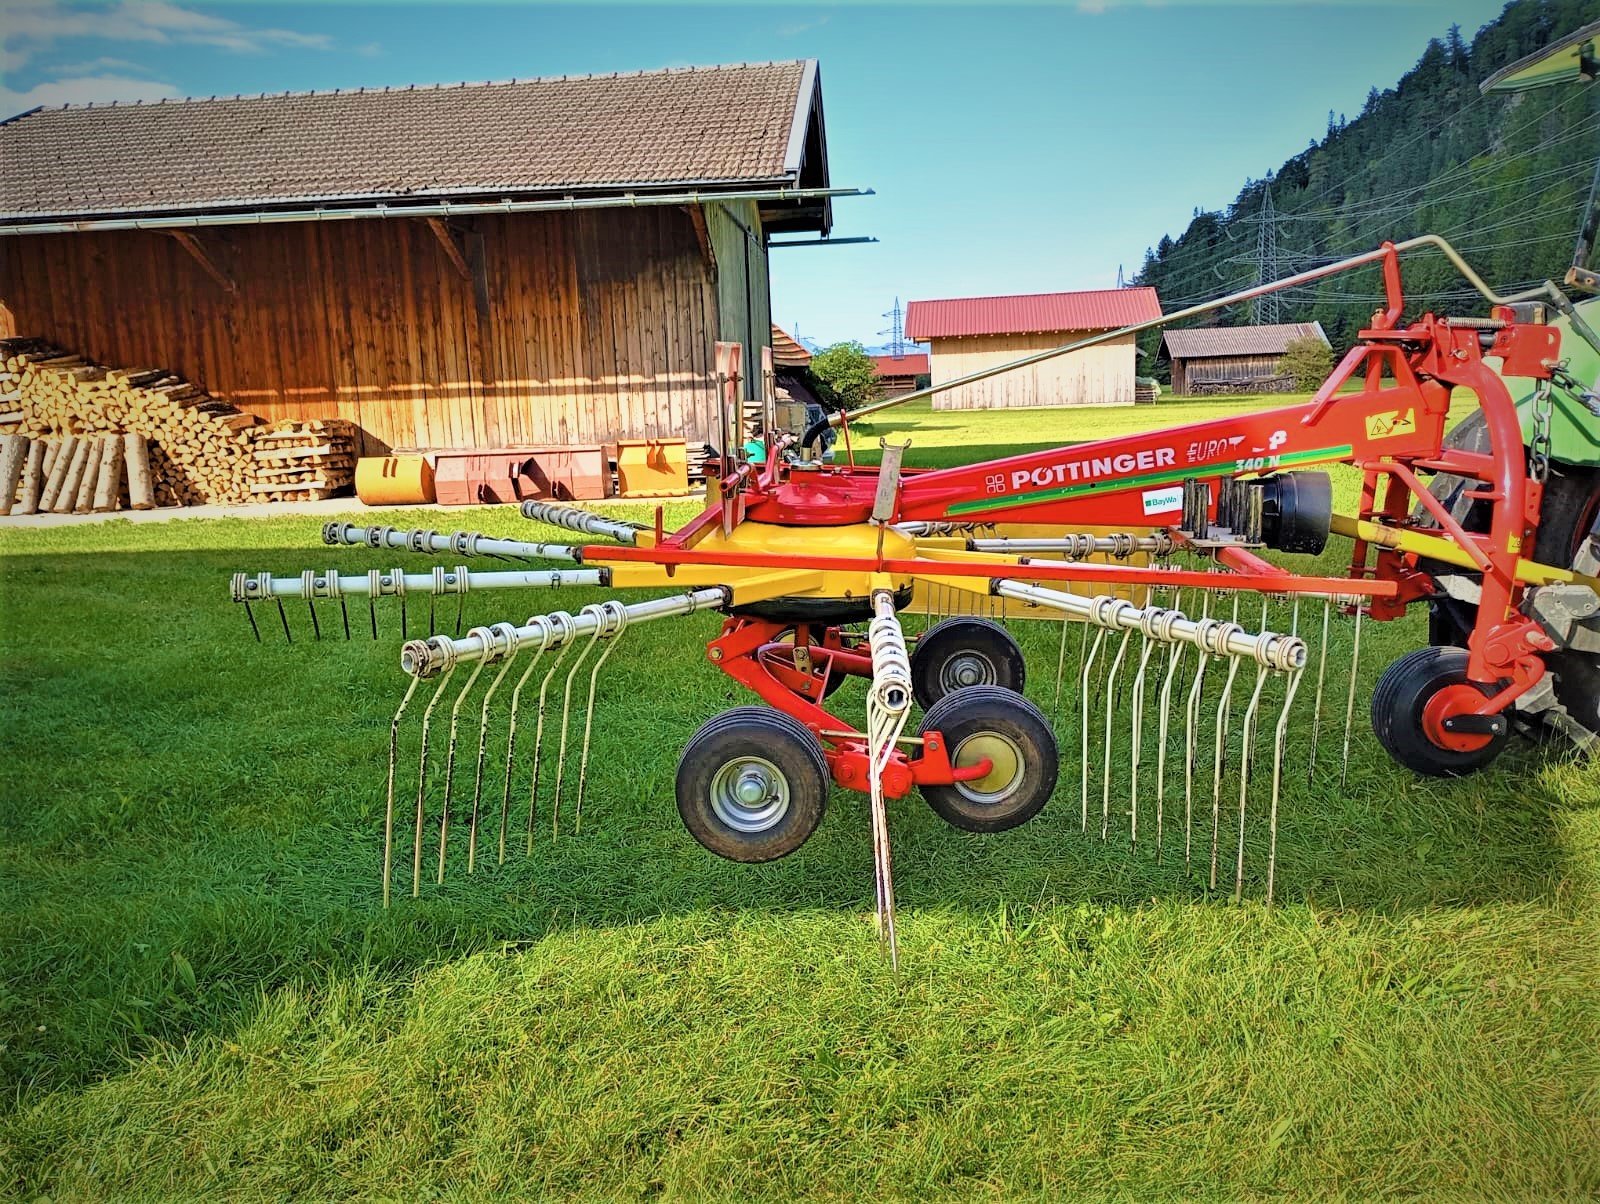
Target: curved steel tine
432, 628
1111, 698
511, 743
1350, 700
388, 810
283, 618
538, 728
344, 613
1280, 741
316, 627
372, 612
566, 710
1216, 769
1247, 737
422, 780
1163, 728
450, 762
1083, 725
1061, 665
1316, 701
588, 719
250, 614
461, 610
483, 747
1136, 739
1191, 721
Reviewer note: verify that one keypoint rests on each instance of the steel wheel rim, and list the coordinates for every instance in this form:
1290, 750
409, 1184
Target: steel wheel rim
967, 668
1001, 781
750, 794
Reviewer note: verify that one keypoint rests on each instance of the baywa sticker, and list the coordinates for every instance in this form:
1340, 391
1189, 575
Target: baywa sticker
1162, 501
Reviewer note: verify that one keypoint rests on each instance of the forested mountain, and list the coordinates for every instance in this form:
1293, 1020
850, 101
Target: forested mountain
1502, 177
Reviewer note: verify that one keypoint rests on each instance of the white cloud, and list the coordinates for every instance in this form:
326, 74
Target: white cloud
96, 89
29, 26
97, 66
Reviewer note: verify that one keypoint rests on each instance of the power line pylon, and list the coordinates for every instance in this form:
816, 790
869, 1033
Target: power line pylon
896, 330
1266, 307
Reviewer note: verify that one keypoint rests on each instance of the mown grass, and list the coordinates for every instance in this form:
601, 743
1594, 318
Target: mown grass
200, 994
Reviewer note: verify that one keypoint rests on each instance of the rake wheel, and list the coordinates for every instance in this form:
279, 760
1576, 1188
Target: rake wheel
1409, 707
963, 652
752, 784
992, 722
1569, 518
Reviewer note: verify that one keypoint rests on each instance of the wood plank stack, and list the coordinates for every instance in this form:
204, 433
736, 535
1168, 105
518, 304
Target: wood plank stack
199, 447
298, 461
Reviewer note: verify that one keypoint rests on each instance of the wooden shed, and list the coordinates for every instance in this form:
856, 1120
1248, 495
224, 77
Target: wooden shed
478, 265
969, 334
1233, 359
898, 374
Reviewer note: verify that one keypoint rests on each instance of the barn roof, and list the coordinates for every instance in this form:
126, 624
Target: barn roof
745, 125
1036, 313
786, 351
912, 363
1238, 340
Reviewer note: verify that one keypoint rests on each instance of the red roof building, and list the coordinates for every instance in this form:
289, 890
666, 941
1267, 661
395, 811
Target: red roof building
970, 334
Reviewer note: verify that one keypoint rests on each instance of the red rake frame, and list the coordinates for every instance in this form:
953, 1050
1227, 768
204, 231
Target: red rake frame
1391, 426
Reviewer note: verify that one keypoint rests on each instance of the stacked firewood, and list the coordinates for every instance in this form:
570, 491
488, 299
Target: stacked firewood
297, 461
199, 447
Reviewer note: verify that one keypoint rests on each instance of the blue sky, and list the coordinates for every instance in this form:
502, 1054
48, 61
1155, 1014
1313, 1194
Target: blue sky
1013, 149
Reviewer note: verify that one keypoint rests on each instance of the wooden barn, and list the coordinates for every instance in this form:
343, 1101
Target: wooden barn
898, 374
970, 334
542, 261
1233, 359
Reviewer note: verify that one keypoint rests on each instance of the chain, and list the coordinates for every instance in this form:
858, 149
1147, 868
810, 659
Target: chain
1574, 387
1539, 448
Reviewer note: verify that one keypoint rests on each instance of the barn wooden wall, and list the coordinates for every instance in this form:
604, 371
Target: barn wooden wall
1095, 376
1187, 373
744, 292
567, 327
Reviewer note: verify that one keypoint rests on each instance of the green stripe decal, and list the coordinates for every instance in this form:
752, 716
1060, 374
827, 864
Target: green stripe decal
1166, 477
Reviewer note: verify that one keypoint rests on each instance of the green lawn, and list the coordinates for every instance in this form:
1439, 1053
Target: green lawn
201, 996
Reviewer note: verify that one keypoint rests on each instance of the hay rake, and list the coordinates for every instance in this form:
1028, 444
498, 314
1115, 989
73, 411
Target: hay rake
1192, 653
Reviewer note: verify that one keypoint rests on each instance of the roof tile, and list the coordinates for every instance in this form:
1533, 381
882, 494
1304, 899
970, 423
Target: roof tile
680, 127
1037, 313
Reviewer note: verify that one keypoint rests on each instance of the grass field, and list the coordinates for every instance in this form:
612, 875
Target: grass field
201, 996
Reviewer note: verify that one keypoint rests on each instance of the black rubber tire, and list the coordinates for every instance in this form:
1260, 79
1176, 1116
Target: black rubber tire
1397, 705
980, 644
1570, 497
783, 743
974, 711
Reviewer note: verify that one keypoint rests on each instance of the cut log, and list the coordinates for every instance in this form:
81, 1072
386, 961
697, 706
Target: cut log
83, 502
141, 496
33, 475
13, 454
108, 480
58, 473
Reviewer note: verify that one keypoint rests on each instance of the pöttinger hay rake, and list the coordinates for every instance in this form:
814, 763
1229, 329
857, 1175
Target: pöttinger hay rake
1182, 654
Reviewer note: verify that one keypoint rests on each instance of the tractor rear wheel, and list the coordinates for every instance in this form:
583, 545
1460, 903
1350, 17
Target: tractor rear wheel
979, 722
964, 651
1569, 537
1412, 709
752, 784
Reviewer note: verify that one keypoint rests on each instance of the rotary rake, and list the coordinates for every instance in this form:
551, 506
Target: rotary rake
1184, 657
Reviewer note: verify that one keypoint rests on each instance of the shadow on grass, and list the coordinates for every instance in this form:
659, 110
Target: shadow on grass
182, 804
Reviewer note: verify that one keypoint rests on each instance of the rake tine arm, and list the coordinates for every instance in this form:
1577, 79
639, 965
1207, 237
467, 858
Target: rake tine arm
584, 522
469, 544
